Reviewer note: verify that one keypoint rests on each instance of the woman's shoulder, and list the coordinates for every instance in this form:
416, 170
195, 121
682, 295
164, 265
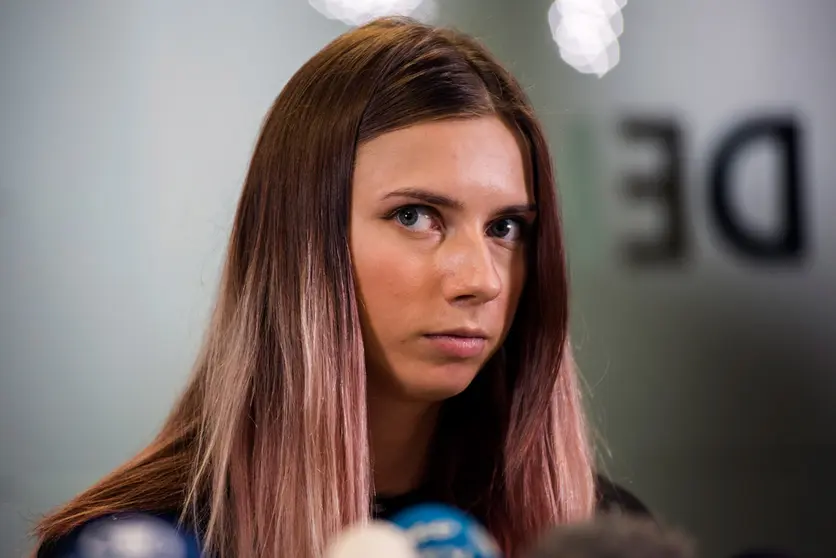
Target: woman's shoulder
126, 535
612, 497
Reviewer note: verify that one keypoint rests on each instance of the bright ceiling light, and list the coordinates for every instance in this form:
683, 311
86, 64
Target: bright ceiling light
358, 12
587, 32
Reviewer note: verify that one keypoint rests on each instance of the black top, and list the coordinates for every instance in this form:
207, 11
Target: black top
614, 498
136, 535
609, 496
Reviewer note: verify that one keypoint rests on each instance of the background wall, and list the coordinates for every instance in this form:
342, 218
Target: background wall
125, 132
712, 373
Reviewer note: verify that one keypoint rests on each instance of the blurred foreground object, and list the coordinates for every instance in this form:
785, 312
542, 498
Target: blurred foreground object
587, 32
358, 12
614, 536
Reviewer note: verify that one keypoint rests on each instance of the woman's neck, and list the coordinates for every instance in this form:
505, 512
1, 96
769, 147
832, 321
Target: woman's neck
400, 437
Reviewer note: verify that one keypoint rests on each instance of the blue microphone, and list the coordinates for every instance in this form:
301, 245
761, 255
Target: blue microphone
127, 535
439, 531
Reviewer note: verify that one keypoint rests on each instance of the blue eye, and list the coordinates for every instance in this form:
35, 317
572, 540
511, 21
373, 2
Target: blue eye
414, 217
507, 229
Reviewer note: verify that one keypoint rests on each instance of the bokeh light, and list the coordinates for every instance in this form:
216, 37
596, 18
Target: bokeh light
358, 12
587, 32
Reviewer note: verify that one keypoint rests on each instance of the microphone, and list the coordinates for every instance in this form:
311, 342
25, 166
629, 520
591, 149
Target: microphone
439, 531
377, 539
613, 536
129, 535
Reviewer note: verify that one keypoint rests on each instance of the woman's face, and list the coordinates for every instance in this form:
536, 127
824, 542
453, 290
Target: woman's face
439, 219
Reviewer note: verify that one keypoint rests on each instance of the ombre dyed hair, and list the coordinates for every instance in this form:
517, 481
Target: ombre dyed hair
267, 450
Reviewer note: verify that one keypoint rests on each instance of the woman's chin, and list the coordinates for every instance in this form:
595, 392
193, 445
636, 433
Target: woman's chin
438, 383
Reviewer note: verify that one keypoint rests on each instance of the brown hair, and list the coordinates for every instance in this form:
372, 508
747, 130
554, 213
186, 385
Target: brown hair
267, 450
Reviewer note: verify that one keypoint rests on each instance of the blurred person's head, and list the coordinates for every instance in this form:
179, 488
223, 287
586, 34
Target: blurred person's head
614, 535
397, 244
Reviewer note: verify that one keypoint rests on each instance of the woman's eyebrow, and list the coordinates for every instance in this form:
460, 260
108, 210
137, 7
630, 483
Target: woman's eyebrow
443, 200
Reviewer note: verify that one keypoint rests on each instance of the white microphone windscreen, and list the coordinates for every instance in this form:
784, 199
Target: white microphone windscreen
374, 540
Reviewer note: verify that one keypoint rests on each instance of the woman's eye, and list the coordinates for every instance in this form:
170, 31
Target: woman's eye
507, 229
415, 217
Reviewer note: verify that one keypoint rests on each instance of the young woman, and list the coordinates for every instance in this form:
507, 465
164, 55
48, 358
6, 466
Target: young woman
391, 325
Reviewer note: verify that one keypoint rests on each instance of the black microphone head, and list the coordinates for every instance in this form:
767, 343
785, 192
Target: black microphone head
763, 553
614, 536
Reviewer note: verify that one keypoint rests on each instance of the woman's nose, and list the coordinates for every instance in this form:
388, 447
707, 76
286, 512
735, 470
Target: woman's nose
470, 270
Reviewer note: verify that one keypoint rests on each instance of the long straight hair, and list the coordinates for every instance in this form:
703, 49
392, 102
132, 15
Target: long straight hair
267, 450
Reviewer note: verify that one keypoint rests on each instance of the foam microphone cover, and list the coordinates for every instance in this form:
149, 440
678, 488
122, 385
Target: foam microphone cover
613, 536
440, 531
132, 535
377, 539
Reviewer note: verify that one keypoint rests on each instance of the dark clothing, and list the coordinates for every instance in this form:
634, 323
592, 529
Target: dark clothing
110, 536
609, 496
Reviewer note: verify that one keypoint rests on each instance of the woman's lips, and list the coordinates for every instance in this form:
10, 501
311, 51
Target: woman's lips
457, 346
